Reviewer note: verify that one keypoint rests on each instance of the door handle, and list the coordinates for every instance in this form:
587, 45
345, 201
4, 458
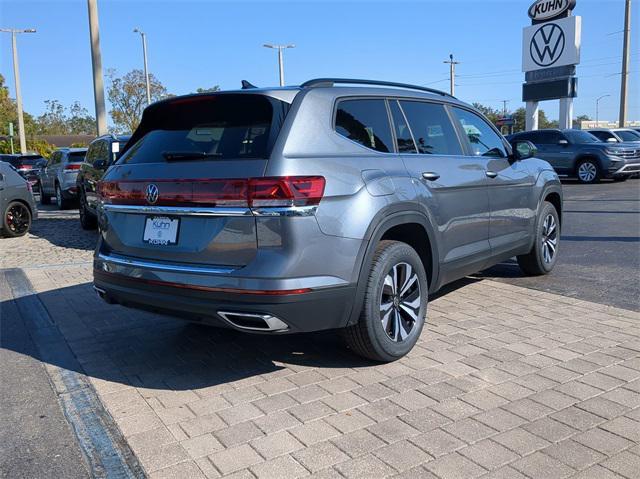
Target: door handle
430, 176
491, 174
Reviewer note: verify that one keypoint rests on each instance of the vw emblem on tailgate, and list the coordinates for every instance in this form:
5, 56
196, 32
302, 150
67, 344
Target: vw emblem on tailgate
547, 45
152, 194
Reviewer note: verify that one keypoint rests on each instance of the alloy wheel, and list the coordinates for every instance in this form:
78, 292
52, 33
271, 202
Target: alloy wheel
17, 219
587, 172
400, 302
549, 238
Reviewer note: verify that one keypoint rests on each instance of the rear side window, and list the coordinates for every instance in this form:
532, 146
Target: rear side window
549, 137
227, 126
432, 129
77, 156
366, 122
483, 139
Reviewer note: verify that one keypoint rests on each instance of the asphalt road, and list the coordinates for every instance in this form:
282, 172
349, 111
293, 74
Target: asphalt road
599, 247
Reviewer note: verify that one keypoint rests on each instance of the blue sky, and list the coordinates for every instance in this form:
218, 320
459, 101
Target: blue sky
202, 43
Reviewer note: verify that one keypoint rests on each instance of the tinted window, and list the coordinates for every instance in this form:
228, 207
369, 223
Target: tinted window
628, 135
549, 137
602, 135
55, 158
578, 136
76, 156
365, 122
21, 160
92, 152
403, 134
226, 126
431, 128
483, 139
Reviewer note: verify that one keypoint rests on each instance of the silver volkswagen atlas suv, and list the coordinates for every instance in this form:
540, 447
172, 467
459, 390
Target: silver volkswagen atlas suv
336, 204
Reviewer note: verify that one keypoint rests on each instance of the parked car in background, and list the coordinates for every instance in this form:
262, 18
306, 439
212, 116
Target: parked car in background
616, 135
579, 154
58, 177
101, 154
27, 165
324, 206
17, 206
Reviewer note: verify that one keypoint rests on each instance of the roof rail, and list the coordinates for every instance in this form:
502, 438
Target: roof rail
328, 82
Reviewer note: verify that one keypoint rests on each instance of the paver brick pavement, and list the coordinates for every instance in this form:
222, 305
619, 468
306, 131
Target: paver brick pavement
531, 385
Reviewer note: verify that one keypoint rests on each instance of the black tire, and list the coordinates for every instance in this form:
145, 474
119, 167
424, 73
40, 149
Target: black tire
537, 262
88, 221
16, 219
588, 171
45, 199
61, 201
368, 337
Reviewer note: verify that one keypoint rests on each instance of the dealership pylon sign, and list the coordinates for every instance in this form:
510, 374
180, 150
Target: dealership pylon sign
550, 53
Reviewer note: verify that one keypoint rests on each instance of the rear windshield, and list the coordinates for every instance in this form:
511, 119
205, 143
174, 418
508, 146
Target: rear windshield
225, 126
75, 156
23, 160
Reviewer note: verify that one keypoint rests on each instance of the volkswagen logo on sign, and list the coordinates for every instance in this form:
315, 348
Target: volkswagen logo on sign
152, 194
547, 45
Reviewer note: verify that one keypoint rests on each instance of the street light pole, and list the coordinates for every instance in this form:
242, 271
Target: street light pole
597, 103
146, 70
280, 48
96, 64
452, 74
16, 76
625, 64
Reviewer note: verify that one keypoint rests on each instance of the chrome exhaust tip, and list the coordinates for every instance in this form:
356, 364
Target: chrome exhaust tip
103, 295
253, 322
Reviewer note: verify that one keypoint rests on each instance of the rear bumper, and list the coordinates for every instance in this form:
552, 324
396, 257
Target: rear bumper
311, 310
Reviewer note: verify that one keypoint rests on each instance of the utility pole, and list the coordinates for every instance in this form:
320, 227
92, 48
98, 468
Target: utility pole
625, 64
16, 76
504, 107
280, 58
96, 63
597, 105
146, 71
452, 74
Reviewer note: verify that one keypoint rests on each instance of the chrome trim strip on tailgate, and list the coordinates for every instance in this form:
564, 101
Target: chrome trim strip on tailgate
177, 210
134, 263
212, 211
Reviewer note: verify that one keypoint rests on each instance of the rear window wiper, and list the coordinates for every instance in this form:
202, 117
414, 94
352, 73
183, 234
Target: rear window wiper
189, 155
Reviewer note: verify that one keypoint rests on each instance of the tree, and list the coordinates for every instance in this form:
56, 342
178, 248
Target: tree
128, 98
492, 115
577, 123
53, 120
79, 122
9, 113
543, 122
208, 90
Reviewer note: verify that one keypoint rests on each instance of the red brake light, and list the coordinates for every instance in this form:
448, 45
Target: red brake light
72, 166
236, 192
286, 191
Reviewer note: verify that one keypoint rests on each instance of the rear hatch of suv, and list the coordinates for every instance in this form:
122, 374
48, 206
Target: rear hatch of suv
178, 193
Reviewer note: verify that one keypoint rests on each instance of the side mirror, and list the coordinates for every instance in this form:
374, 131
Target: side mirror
563, 142
524, 149
100, 164
611, 140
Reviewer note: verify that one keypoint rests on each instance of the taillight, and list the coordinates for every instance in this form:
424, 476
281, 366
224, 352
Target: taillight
286, 191
238, 192
72, 166
24, 167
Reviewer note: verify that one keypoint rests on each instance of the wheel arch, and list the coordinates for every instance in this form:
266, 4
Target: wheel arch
401, 224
